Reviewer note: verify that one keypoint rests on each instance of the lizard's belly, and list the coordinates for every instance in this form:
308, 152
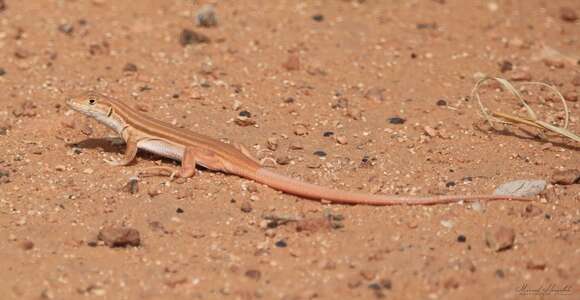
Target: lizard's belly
162, 148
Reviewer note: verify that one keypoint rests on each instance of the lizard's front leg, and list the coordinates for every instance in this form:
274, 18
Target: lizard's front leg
130, 152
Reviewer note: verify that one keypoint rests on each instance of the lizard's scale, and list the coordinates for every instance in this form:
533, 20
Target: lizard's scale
143, 132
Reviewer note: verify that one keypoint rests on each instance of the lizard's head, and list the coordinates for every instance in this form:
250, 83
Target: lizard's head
91, 104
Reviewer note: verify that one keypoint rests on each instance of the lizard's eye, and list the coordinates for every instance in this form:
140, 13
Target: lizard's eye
92, 101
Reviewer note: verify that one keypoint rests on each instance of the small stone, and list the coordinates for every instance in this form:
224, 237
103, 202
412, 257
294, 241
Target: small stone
575, 80
190, 37
441, 102
206, 16
368, 274
292, 63
386, 283
2, 72
26, 245
300, 130
354, 113
341, 139
253, 274
283, 160
270, 232
376, 94
340, 103
554, 63
119, 236
318, 17
531, 211
397, 120
295, 145
319, 153
88, 171
244, 121
179, 210
461, 238
521, 188
246, 207
571, 96
520, 75
130, 67
536, 265
60, 168
66, 28
505, 66
272, 143
132, 186
568, 14
281, 244
328, 134
566, 177
430, 131
500, 239
4, 176
2, 5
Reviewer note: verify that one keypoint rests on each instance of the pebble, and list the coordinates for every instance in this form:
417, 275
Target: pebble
318, 17
575, 80
430, 131
397, 120
2, 5
292, 63
564, 177
520, 75
2, 72
319, 153
88, 171
244, 121
354, 113
246, 207
253, 274
571, 96
500, 239
376, 94
441, 102
300, 130
190, 37
4, 174
281, 244
26, 245
132, 186
328, 134
119, 236
60, 168
461, 238
206, 16
130, 67
66, 28
283, 160
179, 210
531, 211
296, 146
568, 14
521, 188
341, 139
505, 66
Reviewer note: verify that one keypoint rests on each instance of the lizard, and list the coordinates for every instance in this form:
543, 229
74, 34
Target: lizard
140, 131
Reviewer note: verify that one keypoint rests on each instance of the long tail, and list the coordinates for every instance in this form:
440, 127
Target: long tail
312, 191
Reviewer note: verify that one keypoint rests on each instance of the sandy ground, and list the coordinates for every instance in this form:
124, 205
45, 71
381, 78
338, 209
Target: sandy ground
380, 87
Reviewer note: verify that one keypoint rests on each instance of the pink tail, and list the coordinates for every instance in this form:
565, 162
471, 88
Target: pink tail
312, 191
